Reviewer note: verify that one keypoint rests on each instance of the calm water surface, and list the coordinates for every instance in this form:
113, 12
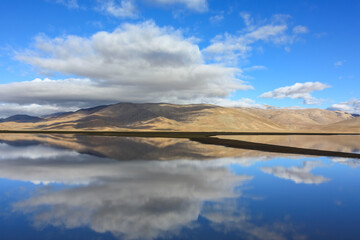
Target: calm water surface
78, 187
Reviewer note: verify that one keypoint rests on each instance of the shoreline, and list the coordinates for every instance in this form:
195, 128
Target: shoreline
209, 138
170, 134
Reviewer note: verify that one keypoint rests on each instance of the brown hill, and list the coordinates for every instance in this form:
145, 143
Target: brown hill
302, 118
151, 116
350, 125
195, 117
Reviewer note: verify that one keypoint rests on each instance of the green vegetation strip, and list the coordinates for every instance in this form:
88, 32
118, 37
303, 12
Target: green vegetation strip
272, 148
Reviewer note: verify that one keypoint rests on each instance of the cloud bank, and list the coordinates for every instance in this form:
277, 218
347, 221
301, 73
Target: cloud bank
142, 62
136, 62
298, 91
10, 109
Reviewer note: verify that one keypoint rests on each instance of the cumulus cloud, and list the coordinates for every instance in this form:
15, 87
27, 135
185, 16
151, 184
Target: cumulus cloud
229, 47
136, 62
352, 106
196, 5
131, 199
297, 91
121, 9
297, 174
68, 92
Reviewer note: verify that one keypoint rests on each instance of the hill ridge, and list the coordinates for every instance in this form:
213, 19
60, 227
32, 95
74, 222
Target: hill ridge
191, 117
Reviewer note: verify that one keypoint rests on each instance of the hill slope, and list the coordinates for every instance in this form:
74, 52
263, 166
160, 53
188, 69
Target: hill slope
196, 117
153, 116
302, 118
21, 119
350, 125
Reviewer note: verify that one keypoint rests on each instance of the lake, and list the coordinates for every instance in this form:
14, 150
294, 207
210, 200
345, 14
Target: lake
95, 187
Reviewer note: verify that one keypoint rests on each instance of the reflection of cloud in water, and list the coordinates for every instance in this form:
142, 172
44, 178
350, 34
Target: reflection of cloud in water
134, 199
228, 216
354, 163
32, 152
297, 174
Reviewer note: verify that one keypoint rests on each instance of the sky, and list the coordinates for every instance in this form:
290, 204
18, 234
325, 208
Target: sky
62, 55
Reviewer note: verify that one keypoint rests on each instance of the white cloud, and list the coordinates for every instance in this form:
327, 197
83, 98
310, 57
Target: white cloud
68, 92
248, 20
300, 29
297, 174
9, 109
136, 62
8, 152
243, 102
229, 47
121, 9
231, 216
216, 19
351, 162
196, 5
297, 91
352, 106
254, 68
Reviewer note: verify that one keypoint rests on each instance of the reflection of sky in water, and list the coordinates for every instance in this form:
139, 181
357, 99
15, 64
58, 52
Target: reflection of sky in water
55, 193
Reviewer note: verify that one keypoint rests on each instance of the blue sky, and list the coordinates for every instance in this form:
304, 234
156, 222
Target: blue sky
61, 55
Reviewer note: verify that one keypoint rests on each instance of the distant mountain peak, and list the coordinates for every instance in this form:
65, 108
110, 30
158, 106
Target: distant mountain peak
21, 118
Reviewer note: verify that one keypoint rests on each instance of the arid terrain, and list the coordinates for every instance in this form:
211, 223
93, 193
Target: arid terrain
199, 117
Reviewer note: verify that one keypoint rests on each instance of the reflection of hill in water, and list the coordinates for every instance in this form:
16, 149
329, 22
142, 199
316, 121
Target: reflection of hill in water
339, 143
131, 148
131, 199
141, 148
125, 148
141, 199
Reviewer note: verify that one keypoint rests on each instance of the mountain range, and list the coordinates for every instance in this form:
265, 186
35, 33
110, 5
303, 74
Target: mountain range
194, 117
